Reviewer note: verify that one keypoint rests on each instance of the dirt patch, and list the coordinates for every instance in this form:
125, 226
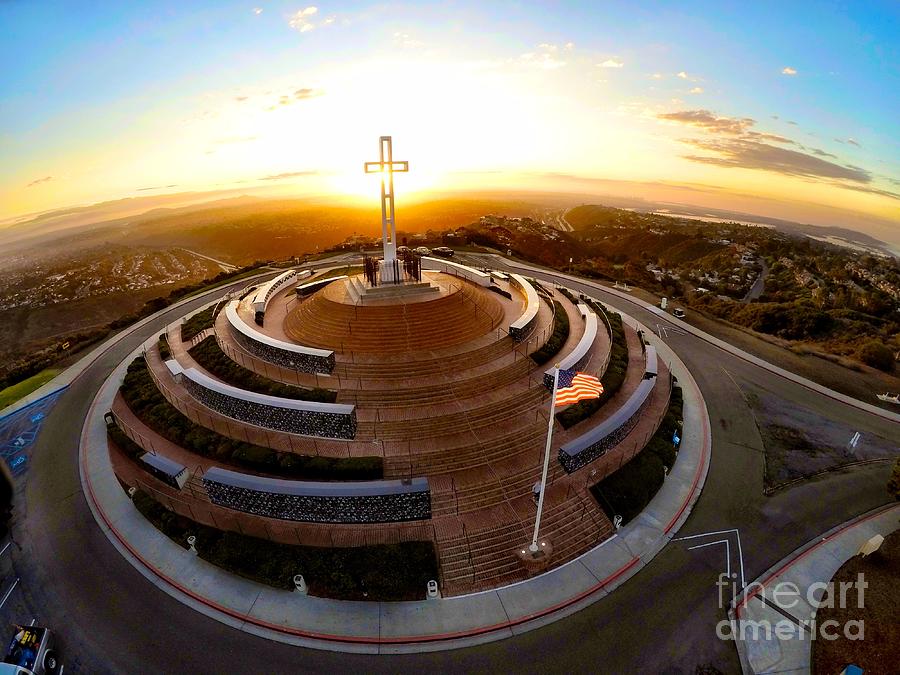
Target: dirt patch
800, 443
879, 651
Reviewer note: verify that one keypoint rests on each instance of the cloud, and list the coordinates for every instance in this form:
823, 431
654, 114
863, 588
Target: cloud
611, 63
544, 59
291, 97
657, 76
762, 136
822, 153
291, 174
683, 75
406, 41
241, 99
696, 90
156, 187
853, 142
569, 46
302, 20
306, 92
787, 70
709, 121
39, 181
792, 122
749, 154
257, 10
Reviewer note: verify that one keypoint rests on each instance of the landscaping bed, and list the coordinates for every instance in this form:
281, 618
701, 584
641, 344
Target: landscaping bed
151, 407
557, 338
627, 491
385, 572
208, 354
198, 323
163, 346
612, 379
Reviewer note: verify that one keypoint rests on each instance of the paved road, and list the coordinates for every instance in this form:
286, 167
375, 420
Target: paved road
759, 285
111, 619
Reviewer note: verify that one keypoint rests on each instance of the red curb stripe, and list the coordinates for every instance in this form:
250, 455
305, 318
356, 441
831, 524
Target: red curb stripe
803, 554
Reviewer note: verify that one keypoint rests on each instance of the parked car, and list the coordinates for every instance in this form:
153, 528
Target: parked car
31, 652
422, 250
402, 249
443, 251
678, 313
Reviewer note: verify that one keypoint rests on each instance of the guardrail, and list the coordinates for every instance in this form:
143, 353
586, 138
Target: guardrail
579, 355
309, 418
596, 441
278, 352
382, 501
456, 269
521, 327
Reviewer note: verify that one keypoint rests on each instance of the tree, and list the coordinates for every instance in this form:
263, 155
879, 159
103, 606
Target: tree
877, 354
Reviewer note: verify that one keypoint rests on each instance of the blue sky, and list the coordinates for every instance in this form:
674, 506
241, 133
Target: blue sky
783, 102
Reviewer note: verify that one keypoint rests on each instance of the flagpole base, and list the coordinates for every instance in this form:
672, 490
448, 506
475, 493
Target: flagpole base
535, 561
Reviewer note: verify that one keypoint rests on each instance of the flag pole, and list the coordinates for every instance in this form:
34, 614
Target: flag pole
534, 548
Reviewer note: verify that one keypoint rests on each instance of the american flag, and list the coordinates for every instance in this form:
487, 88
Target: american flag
574, 387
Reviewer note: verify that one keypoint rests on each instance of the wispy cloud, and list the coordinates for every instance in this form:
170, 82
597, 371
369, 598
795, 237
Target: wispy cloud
300, 94
156, 187
657, 76
683, 75
822, 153
611, 63
787, 70
544, 58
709, 121
290, 174
39, 181
406, 41
257, 10
304, 20
746, 154
696, 90
852, 141
241, 99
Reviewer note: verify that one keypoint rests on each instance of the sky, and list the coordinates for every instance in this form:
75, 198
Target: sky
791, 107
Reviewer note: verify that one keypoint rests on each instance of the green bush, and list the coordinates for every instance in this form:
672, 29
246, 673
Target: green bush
557, 338
163, 346
197, 324
208, 354
893, 485
612, 379
125, 444
149, 405
385, 572
877, 354
627, 491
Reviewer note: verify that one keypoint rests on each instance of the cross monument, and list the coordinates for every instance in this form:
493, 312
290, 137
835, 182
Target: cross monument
386, 166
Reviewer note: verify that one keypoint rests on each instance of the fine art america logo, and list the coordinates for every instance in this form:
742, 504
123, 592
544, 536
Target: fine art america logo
797, 608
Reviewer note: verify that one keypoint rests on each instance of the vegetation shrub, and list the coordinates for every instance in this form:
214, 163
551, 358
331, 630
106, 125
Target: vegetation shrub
197, 324
208, 354
125, 444
877, 354
568, 295
612, 379
385, 572
163, 346
893, 485
149, 405
557, 338
627, 491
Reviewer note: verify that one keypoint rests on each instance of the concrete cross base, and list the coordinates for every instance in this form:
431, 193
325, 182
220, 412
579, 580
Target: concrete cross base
388, 273
535, 561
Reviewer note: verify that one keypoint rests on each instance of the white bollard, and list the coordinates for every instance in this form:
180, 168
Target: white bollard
300, 584
617, 522
191, 541
132, 491
432, 590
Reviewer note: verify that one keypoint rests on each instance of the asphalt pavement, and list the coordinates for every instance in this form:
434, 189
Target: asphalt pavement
110, 619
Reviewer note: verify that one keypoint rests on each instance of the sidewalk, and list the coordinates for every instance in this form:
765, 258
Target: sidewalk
401, 626
812, 564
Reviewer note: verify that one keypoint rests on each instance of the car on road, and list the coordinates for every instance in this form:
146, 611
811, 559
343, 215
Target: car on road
402, 249
422, 250
30, 652
678, 313
443, 251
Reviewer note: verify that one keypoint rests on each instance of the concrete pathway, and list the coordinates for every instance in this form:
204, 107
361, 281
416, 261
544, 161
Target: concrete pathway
771, 623
400, 626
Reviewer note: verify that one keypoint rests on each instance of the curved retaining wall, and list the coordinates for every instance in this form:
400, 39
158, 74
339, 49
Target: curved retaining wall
596, 441
578, 356
447, 267
310, 418
522, 327
382, 501
277, 352
268, 290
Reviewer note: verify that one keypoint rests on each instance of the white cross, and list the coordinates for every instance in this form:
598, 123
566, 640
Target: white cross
386, 166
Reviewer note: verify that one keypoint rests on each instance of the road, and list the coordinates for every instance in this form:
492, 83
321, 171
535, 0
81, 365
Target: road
112, 620
759, 285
